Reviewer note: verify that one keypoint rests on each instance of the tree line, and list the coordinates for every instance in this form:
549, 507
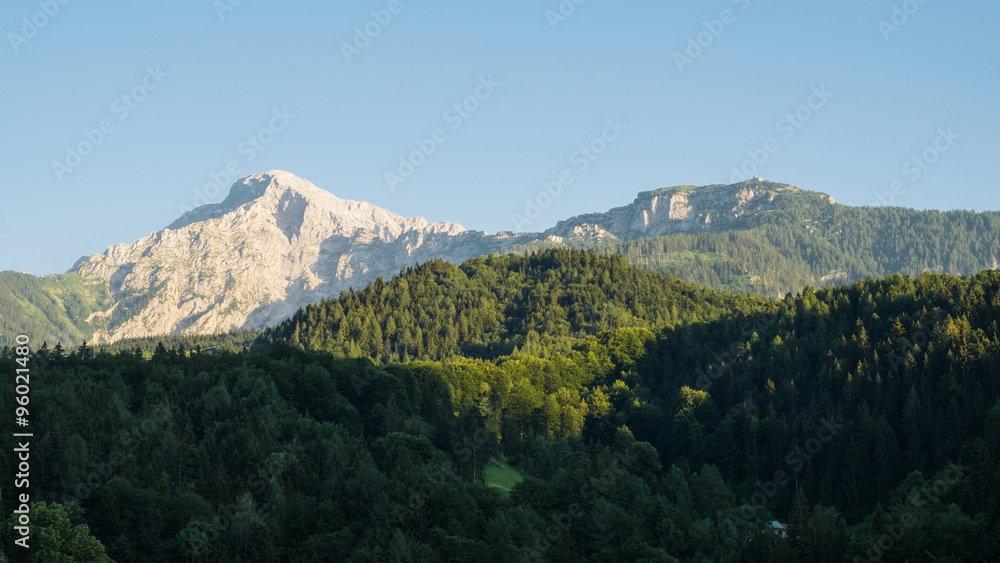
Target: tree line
647, 419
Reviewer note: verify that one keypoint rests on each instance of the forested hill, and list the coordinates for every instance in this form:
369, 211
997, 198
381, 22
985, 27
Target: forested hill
52, 308
489, 306
866, 418
203, 276
804, 239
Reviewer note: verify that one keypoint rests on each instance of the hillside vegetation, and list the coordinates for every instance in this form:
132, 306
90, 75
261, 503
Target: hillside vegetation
809, 242
494, 305
52, 308
673, 427
756, 238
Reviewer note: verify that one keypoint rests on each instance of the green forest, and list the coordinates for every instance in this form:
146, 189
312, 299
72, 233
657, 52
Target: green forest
559, 405
805, 240
795, 239
51, 308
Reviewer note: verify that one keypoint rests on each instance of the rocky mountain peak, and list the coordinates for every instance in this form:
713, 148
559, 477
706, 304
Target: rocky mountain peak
295, 203
278, 242
278, 185
681, 209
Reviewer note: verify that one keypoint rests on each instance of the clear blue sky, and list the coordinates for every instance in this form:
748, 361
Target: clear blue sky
892, 90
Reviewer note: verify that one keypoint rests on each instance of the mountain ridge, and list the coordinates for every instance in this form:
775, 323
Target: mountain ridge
680, 209
277, 243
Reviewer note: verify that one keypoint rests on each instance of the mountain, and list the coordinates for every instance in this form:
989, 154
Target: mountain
864, 417
491, 305
278, 243
770, 239
52, 308
687, 209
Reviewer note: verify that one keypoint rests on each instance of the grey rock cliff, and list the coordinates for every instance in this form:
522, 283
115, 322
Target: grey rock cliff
277, 242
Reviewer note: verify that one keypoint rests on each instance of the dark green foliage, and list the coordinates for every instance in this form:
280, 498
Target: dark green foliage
490, 306
52, 538
866, 417
806, 240
53, 308
234, 341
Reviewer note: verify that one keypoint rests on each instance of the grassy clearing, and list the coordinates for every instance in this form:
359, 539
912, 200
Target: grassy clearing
500, 476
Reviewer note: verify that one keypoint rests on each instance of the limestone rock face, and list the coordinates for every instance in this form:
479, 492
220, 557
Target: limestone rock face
277, 243
680, 209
